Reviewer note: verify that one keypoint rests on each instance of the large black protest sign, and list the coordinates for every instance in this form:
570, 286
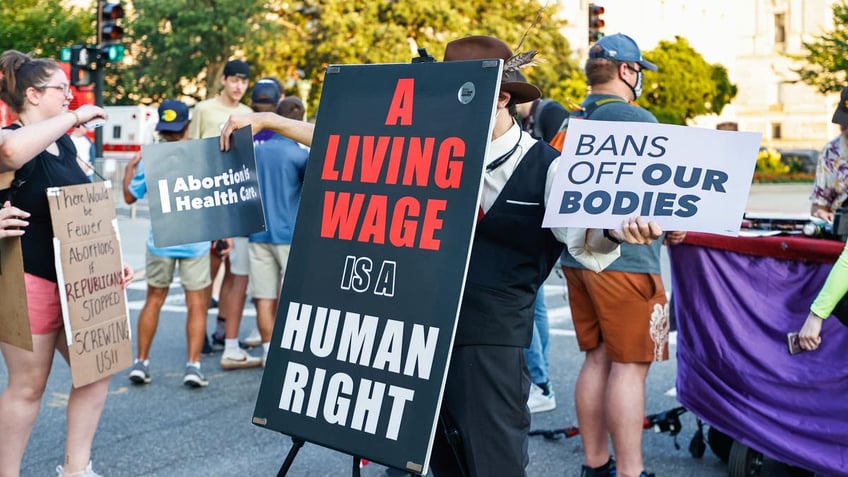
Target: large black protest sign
198, 192
371, 294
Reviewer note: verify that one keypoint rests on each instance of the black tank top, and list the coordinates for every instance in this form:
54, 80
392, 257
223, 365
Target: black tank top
45, 170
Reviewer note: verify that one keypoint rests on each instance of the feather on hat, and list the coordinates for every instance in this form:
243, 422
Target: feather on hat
481, 47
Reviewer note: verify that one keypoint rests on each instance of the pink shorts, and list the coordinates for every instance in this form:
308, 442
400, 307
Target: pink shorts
45, 309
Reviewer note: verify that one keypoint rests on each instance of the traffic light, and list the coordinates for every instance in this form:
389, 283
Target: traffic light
110, 33
83, 61
596, 23
110, 14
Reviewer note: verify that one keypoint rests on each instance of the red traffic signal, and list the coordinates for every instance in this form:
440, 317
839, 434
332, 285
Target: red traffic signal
596, 23
109, 15
114, 11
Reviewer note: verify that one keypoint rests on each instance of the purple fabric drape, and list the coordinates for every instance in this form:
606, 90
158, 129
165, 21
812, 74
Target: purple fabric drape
734, 371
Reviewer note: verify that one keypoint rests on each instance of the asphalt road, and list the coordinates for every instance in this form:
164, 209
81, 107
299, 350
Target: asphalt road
166, 429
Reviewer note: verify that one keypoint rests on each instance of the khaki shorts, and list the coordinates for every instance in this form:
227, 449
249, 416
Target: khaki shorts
267, 267
628, 312
194, 272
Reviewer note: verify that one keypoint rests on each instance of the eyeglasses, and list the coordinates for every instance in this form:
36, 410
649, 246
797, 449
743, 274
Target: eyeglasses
633, 68
64, 88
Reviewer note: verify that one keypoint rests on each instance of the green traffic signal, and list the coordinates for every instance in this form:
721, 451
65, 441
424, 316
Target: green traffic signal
65, 54
115, 53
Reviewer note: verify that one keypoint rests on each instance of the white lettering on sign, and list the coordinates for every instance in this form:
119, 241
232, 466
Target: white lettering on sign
221, 190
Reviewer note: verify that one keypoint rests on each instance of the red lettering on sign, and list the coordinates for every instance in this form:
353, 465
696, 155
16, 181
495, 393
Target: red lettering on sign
340, 217
405, 224
400, 111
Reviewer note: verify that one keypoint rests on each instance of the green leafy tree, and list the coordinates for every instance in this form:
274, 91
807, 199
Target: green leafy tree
43, 27
685, 85
824, 61
178, 48
306, 36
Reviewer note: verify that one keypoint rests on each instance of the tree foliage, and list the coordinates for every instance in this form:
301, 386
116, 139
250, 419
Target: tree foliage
42, 27
177, 48
685, 85
389, 31
824, 62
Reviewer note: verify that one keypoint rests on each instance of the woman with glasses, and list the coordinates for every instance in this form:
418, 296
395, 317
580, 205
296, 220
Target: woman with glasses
36, 153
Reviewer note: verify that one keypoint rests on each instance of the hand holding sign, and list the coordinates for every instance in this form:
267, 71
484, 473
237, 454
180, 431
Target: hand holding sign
11, 219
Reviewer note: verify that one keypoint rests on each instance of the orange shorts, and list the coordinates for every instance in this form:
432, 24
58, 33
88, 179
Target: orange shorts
628, 312
43, 305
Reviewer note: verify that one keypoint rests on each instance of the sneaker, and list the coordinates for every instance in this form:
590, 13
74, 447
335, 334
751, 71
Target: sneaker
140, 373
194, 378
538, 401
606, 470
254, 339
239, 359
88, 472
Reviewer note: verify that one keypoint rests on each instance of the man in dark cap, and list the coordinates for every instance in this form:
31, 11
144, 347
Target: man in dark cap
485, 396
209, 116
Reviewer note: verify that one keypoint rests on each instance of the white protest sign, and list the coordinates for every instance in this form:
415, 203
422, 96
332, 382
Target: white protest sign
683, 178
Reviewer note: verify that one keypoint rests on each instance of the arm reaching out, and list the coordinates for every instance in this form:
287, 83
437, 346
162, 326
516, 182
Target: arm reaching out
300, 131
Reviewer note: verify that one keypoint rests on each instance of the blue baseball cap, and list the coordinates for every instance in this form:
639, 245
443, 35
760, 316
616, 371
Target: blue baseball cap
620, 47
173, 116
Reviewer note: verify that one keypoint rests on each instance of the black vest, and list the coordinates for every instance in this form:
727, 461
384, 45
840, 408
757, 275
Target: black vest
511, 257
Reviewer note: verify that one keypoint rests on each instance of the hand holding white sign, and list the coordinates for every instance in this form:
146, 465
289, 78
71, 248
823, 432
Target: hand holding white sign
613, 170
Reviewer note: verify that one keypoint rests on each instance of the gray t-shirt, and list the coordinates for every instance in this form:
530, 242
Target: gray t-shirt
634, 258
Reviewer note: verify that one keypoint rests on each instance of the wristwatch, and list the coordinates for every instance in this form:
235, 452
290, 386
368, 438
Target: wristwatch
608, 236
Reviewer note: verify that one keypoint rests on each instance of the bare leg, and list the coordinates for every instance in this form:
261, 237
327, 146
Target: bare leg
85, 404
21, 400
197, 302
589, 396
266, 313
231, 304
148, 319
626, 414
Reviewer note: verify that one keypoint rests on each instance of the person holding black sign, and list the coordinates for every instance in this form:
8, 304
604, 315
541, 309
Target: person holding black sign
35, 154
484, 417
160, 263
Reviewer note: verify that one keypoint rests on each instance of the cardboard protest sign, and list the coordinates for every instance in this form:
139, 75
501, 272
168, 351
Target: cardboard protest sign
89, 269
14, 316
684, 178
198, 192
373, 285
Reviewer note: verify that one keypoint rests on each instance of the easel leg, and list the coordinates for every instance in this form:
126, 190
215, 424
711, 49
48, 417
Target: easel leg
296, 445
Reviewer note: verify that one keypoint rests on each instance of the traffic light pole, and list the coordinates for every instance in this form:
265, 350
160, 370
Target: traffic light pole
98, 100
98, 81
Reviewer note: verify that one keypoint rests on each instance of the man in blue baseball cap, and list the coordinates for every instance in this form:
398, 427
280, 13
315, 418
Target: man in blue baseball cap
192, 259
621, 314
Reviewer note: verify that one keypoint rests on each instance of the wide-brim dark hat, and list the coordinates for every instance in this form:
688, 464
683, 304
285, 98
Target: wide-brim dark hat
481, 47
840, 116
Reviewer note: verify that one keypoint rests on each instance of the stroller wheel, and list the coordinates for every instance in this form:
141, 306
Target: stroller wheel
744, 461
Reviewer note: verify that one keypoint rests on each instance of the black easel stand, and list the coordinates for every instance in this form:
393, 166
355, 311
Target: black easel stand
296, 445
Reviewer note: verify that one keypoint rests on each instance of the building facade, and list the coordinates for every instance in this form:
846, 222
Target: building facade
752, 39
